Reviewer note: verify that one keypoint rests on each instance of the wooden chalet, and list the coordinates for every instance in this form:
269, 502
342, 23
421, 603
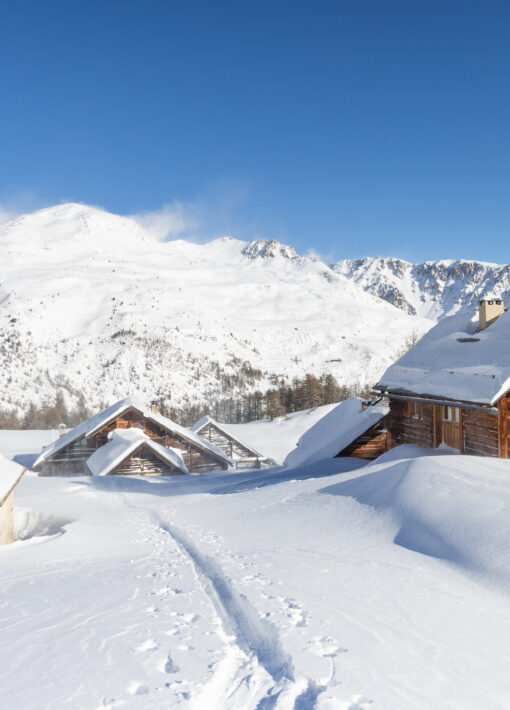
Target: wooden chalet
10, 476
70, 452
243, 455
350, 428
453, 387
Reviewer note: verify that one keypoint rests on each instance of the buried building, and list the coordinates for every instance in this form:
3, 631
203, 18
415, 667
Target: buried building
243, 455
159, 447
10, 476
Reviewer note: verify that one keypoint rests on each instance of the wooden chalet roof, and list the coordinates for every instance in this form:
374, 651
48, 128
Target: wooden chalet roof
10, 475
97, 422
121, 444
455, 361
200, 425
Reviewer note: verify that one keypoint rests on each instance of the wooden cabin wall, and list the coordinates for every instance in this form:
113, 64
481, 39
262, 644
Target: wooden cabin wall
405, 429
145, 463
480, 433
196, 459
70, 459
369, 445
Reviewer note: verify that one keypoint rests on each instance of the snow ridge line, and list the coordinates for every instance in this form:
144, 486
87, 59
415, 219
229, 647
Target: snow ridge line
253, 635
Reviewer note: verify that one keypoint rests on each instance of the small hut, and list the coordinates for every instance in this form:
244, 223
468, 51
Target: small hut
352, 428
10, 476
130, 451
244, 455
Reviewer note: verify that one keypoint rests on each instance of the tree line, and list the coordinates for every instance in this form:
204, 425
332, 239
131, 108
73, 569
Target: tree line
282, 398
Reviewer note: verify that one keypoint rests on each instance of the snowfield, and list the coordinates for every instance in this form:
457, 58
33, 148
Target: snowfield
91, 303
336, 585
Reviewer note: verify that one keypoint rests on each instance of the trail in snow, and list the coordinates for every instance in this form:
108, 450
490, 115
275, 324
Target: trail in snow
255, 637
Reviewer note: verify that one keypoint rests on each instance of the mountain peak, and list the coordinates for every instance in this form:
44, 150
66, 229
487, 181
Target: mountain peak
269, 248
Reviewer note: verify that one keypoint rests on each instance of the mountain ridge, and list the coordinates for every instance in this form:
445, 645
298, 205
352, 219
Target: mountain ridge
94, 306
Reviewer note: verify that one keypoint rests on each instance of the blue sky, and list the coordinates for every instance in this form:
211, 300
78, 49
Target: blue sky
349, 128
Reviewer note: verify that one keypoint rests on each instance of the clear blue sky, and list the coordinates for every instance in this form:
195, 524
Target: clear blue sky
349, 127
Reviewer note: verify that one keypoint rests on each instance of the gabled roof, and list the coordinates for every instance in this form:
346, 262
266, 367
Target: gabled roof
10, 475
331, 434
122, 443
199, 425
101, 419
455, 361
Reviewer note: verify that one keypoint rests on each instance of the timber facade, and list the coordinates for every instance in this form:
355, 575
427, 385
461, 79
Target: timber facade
144, 462
469, 428
371, 444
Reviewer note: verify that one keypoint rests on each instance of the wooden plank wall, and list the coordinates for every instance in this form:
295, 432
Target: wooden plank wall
369, 445
480, 433
410, 430
196, 459
145, 463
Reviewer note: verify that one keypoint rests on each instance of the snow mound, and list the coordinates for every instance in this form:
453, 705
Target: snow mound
446, 506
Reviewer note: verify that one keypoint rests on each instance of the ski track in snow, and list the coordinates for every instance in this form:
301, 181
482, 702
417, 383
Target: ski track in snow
255, 672
256, 639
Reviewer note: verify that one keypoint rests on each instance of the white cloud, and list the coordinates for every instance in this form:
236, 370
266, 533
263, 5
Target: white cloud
176, 220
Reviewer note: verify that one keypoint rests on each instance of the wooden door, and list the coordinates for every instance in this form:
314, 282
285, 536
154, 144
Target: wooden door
451, 427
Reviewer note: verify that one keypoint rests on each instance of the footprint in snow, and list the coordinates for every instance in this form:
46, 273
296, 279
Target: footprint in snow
149, 645
136, 688
167, 665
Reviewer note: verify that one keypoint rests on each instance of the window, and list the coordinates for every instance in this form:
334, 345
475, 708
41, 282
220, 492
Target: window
451, 414
414, 409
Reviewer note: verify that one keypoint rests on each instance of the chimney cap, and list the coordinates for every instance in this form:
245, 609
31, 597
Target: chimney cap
490, 301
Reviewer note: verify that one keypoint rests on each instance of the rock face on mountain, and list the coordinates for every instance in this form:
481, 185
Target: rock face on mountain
433, 289
267, 249
92, 305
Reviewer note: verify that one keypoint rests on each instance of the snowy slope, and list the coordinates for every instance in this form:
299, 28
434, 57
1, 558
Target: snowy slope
90, 302
335, 586
433, 289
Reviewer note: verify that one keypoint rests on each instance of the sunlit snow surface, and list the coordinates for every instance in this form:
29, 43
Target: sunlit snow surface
91, 302
336, 585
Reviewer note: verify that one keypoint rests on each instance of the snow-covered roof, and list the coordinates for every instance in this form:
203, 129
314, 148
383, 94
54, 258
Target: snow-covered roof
199, 425
121, 444
331, 434
10, 474
456, 361
101, 419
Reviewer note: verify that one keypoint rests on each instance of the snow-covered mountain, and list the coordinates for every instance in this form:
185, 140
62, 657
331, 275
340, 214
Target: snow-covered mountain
91, 303
433, 289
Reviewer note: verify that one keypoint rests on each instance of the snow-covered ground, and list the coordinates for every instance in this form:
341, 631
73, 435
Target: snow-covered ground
333, 586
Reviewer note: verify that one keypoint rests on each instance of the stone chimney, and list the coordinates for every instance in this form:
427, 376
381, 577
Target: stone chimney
488, 311
154, 406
